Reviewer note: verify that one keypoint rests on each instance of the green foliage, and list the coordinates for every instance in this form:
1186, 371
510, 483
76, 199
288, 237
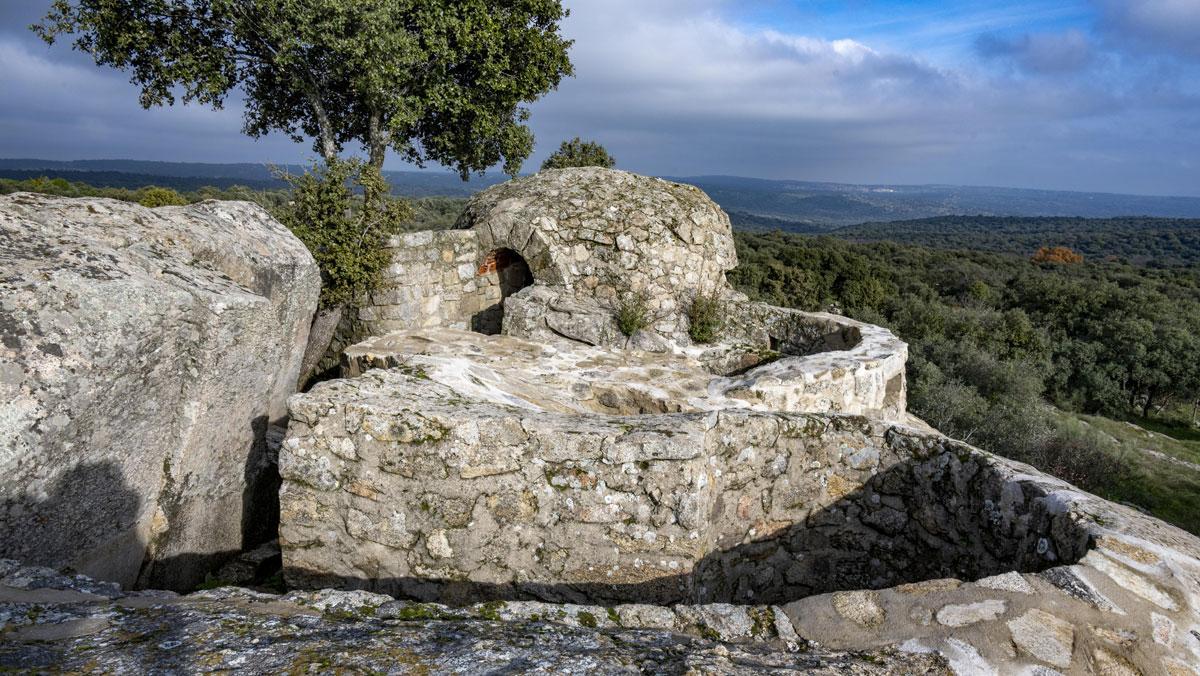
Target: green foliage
579, 153
992, 337
1155, 242
345, 234
632, 312
1152, 476
704, 318
154, 196
157, 196
435, 213
436, 80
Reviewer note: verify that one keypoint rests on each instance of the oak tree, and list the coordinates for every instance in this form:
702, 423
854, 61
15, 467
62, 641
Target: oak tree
440, 81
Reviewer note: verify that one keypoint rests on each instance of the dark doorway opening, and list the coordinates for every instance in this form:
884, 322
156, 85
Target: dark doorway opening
502, 273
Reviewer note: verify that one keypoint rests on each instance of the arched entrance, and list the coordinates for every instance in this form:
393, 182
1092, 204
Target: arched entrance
502, 273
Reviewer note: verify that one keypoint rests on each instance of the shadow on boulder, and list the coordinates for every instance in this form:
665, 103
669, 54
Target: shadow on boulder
87, 522
92, 521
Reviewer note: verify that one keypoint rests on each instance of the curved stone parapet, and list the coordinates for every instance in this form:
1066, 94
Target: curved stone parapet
866, 534
820, 362
773, 358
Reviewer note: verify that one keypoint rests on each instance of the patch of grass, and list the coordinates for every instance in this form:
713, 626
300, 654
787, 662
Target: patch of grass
419, 611
613, 616
211, 582
491, 610
1163, 487
764, 621
586, 619
1172, 437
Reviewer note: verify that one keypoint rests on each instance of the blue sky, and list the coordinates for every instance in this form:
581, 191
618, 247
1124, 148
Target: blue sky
1097, 95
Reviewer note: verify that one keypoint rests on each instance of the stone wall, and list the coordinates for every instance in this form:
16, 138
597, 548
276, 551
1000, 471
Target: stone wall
397, 483
434, 280
565, 480
144, 353
590, 237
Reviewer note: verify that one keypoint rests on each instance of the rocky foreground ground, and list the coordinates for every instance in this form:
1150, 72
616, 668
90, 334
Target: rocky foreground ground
51, 622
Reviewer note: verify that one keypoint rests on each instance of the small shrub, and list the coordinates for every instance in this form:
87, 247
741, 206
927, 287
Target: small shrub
579, 153
155, 196
344, 231
1080, 457
704, 318
632, 312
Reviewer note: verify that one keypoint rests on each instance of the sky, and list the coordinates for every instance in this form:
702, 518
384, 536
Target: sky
1094, 95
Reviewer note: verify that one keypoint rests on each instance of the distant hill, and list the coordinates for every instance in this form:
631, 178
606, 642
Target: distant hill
190, 176
1158, 242
118, 179
838, 204
799, 206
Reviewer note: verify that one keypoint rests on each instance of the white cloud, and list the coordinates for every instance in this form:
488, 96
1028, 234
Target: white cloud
675, 90
683, 87
60, 106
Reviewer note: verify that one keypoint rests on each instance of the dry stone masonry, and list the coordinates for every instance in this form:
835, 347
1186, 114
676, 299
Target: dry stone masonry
143, 355
588, 238
402, 484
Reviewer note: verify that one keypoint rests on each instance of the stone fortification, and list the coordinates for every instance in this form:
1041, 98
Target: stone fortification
566, 470
590, 238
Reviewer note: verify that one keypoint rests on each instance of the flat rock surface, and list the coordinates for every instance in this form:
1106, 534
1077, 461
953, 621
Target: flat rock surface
572, 377
63, 625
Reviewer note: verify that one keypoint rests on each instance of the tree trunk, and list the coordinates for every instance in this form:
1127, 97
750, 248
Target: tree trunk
377, 141
326, 138
320, 335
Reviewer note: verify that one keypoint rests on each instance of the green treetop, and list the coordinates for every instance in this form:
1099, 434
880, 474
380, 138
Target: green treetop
433, 80
579, 153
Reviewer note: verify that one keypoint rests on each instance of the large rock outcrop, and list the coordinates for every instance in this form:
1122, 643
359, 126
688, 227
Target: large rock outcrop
143, 355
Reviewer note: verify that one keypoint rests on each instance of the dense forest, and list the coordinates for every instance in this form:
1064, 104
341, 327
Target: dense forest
1154, 242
